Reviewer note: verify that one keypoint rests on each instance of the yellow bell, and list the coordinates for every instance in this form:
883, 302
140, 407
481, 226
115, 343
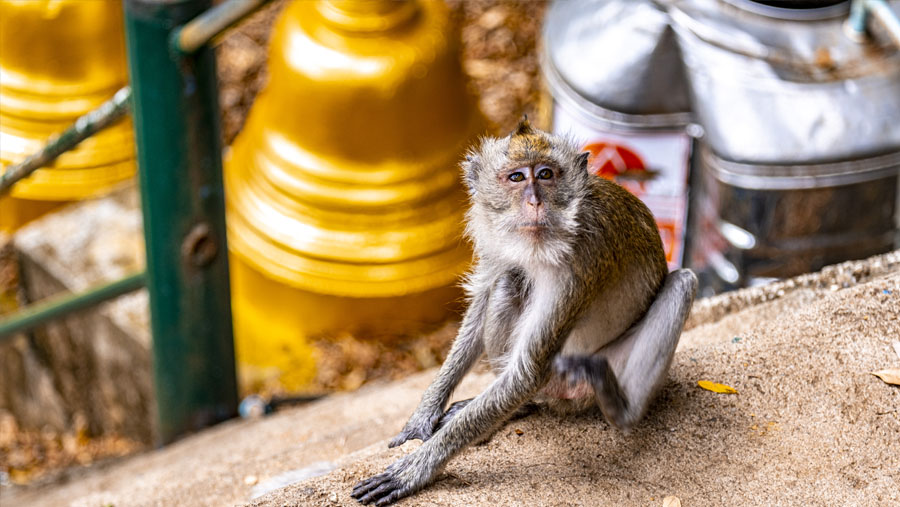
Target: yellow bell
344, 205
59, 59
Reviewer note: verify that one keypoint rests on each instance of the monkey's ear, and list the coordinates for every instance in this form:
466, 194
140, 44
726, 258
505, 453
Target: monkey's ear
581, 161
524, 127
471, 166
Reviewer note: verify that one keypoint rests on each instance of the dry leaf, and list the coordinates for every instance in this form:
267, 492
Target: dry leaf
891, 375
716, 387
671, 501
896, 345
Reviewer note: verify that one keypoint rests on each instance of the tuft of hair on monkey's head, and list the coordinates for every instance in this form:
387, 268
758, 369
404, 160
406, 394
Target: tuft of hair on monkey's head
527, 185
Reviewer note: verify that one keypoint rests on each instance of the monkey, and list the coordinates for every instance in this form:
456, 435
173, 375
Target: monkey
569, 298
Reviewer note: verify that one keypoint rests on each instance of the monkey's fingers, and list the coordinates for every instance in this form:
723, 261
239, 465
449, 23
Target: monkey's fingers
417, 427
410, 434
399, 439
363, 491
607, 387
382, 489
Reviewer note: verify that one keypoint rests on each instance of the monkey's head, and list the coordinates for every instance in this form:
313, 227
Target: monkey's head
525, 191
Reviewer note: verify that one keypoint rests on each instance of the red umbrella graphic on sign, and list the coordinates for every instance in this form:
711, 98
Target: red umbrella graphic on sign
618, 163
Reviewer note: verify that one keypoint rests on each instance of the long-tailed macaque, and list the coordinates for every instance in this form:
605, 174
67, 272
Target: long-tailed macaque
570, 299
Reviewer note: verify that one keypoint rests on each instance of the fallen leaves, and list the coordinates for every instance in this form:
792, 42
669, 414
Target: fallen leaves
716, 387
889, 376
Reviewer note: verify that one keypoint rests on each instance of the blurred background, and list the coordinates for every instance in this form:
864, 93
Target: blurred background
763, 136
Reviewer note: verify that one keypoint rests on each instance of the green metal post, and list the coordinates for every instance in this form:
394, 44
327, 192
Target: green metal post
176, 118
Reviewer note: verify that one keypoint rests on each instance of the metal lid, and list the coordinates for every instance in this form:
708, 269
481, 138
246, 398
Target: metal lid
620, 55
774, 91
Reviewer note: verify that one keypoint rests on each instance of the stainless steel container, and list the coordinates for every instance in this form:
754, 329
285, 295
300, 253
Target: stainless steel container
802, 139
614, 81
798, 162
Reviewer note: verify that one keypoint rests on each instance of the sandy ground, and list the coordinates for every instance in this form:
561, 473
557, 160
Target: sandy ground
809, 426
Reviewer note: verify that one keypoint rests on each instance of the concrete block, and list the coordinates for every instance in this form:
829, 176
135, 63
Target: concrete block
92, 367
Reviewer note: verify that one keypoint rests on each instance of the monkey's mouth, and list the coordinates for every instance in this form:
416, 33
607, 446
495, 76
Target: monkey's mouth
534, 226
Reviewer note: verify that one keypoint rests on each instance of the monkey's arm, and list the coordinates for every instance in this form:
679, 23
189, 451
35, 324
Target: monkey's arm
528, 371
466, 349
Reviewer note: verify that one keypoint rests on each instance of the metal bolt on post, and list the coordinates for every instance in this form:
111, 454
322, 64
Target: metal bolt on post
176, 119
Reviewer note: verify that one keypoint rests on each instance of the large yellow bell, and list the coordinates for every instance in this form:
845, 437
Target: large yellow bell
59, 59
344, 204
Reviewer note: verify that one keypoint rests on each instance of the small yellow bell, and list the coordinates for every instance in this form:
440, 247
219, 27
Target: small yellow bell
344, 205
59, 59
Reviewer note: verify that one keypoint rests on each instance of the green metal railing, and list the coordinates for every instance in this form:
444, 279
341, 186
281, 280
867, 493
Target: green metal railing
176, 117
104, 116
60, 306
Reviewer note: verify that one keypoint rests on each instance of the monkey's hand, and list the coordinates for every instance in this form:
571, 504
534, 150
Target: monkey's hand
422, 425
401, 479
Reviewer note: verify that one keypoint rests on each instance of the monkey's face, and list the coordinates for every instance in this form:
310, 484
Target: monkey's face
532, 195
525, 191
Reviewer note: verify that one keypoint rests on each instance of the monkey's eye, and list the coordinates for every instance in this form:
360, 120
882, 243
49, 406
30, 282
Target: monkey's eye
516, 176
545, 174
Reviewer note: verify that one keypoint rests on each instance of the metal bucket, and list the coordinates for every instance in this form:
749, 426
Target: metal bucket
759, 222
802, 140
614, 81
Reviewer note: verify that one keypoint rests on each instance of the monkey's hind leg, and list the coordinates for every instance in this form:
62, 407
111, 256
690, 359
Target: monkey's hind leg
626, 373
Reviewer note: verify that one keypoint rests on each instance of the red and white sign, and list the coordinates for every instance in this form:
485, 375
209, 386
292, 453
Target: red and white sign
653, 166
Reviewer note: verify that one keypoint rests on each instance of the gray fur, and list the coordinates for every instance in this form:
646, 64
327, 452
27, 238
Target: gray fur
560, 308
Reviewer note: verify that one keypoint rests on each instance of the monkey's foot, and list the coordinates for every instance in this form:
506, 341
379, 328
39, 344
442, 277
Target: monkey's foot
595, 371
420, 427
389, 486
